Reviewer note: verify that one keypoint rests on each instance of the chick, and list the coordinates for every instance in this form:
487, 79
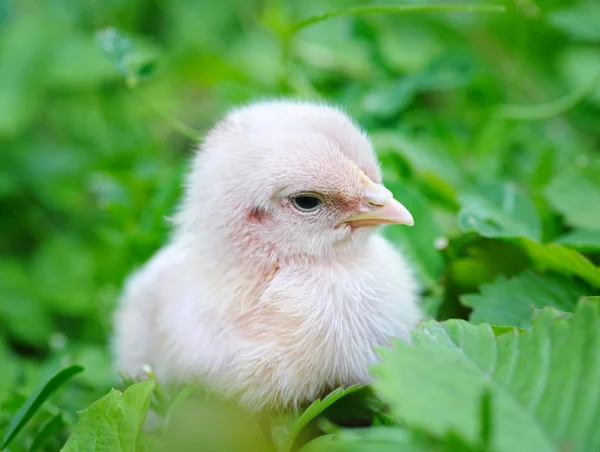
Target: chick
276, 286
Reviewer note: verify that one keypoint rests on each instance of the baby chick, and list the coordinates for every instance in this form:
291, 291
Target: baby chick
276, 286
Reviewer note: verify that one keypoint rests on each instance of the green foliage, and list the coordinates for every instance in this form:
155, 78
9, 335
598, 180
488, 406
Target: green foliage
510, 302
114, 422
35, 401
574, 192
563, 260
486, 124
543, 383
500, 210
581, 239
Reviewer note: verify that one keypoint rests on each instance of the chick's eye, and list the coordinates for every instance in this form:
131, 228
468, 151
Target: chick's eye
306, 203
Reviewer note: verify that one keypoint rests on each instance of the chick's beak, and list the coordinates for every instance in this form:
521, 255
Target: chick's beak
381, 208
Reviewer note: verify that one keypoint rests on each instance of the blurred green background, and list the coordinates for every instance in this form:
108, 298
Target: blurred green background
89, 170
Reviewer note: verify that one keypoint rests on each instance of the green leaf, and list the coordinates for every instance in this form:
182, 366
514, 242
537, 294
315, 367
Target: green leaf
380, 439
418, 242
499, 210
114, 421
543, 383
509, 302
560, 259
579, 22
498, 330
581, 239
573, 193
35, 401
314, 410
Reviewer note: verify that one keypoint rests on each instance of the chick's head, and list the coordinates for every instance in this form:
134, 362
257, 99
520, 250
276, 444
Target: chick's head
288, 179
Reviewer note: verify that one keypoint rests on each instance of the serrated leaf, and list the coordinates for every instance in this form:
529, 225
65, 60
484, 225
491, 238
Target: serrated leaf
499, 210
543, 383
114, 421
574, 192
581, 239
560, 259
418, 242
509, 302
35, 401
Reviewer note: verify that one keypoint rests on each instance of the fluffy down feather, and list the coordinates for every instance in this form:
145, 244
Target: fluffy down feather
255, 296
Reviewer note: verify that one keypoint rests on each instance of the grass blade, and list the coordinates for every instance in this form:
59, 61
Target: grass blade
35, 401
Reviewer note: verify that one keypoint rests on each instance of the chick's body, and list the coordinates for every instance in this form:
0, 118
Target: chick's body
259, 294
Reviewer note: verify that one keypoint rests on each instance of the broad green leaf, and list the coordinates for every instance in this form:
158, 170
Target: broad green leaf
312, 412
558, 314
418, 242
499, 210
35, 401
581, 239
114, 422
543, 383
509, 302
560, 259
575, 193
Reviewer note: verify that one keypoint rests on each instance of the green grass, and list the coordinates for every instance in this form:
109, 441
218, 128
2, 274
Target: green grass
488, 127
